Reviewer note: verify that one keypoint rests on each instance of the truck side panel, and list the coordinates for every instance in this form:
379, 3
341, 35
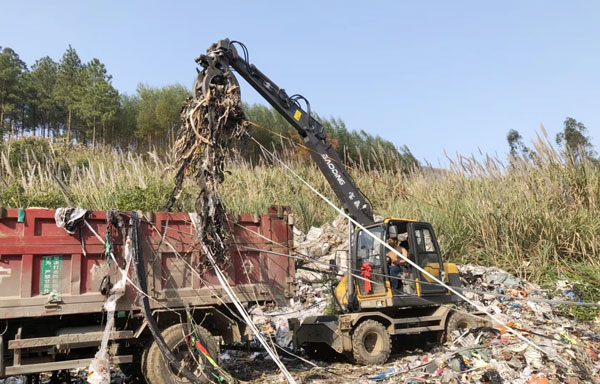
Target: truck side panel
44, 271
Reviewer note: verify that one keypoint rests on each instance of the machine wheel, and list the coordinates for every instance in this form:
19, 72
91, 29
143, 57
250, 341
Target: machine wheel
371, 343
156, 369
459, 321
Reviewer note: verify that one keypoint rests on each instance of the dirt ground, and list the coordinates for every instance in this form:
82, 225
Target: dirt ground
255, 368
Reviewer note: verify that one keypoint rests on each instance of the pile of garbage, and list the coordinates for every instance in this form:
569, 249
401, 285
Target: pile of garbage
210, 124
566, 350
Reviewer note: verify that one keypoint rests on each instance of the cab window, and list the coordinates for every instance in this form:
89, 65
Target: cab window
424, 240
369, 250
369, 257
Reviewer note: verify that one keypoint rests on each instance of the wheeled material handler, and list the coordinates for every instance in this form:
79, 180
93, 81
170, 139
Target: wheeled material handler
380, 295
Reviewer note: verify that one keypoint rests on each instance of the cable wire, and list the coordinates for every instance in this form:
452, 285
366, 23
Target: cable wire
416, 266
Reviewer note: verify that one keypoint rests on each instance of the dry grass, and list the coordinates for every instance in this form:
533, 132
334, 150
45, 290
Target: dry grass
532, 217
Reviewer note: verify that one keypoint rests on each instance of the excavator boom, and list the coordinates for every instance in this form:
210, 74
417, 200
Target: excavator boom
218, 65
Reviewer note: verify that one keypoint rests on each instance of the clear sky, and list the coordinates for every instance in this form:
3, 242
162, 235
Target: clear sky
435, 75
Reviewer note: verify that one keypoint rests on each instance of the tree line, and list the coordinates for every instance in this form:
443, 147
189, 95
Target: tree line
573, 140
356, 148
76, 101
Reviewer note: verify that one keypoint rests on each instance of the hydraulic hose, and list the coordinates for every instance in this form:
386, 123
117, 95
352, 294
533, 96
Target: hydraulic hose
140, 268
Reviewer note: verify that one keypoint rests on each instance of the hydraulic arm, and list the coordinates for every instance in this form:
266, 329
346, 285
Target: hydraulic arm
217, 66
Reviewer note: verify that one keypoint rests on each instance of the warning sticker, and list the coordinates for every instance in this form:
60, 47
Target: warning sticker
51, 274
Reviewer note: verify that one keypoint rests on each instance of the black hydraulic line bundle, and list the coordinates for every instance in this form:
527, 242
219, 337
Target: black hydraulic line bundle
140, 268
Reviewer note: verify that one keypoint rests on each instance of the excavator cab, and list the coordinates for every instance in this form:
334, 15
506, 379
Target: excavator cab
372, 285
426, 253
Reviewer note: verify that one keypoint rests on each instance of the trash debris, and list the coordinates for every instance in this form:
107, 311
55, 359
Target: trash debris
70, 219
99, 371
211, 122
482, 355
209, 125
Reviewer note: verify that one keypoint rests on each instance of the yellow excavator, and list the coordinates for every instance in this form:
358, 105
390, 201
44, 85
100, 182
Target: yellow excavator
375, 304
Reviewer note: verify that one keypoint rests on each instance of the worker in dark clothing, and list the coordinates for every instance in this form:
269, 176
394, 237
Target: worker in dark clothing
395, 262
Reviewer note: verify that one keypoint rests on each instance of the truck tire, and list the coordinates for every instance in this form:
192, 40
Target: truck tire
371, 343
158, 371
459, 321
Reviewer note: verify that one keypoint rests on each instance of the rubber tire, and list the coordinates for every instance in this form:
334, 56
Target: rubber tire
459, 321
363, 334
157, 371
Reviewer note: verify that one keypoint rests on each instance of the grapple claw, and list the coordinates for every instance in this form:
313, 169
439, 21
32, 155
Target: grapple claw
216, 68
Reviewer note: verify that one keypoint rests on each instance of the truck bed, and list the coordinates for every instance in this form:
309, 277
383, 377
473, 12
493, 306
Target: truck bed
44, 271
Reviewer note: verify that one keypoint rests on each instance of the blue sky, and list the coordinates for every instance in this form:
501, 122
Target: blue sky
438, 76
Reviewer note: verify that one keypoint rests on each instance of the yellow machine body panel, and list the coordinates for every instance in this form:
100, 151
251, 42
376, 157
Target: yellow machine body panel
341, 291
398, 219
434, 269
388, 294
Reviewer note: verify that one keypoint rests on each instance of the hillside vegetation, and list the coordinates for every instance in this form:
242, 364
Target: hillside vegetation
537, 216
77, 102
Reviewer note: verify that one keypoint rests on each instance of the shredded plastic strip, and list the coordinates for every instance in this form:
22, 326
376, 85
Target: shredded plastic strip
99, 370
140, 269
131, 282
247, 319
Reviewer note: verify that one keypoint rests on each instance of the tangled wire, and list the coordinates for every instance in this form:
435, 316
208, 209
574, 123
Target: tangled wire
209, 126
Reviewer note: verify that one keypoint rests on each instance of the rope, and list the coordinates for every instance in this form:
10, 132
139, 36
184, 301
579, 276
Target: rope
449, 307
394, 187
224, 284
416, 266
348, 269
140, 268
245, 315
138, 289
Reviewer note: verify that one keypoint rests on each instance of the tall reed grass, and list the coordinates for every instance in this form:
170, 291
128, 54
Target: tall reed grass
535, 217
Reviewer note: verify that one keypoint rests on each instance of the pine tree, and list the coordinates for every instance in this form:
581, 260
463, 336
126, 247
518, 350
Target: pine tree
43, 80
68, 88
12, 77
158, 113
99, 100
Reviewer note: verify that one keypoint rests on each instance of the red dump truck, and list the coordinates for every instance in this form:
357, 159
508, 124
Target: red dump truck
51, 307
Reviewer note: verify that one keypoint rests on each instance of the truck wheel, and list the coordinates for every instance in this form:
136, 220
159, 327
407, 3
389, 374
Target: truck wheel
459, 322
371, 343
158, 371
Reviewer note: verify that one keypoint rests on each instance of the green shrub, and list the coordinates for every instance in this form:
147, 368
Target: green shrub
46, 199
586, 285
12, 196
27, 150
150, 199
